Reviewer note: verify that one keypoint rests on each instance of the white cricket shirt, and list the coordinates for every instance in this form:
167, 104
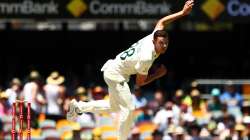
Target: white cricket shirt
136, 59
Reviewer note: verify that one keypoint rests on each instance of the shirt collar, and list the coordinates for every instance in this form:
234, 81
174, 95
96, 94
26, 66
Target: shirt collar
155, 55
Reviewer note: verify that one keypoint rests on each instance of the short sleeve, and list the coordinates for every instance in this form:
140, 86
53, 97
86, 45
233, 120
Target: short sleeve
142, 67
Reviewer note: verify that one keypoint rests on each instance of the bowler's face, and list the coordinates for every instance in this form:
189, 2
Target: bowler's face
161, 44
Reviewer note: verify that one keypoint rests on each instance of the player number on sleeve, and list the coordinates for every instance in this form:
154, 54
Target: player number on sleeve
129, 52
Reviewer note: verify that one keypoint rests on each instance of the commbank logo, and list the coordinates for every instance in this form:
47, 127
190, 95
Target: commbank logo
213, 8
77, 7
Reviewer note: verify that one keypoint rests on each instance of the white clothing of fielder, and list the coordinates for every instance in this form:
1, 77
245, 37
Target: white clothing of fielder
137, 59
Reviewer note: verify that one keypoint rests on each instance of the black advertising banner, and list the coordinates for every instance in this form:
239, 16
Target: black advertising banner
29, 9
222, 10
68, 9
204, 10
119, 9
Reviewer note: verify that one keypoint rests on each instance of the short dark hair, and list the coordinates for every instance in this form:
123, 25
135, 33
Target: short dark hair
160, 33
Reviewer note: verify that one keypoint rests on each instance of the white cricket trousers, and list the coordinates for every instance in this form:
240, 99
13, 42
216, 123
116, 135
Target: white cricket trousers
120, 100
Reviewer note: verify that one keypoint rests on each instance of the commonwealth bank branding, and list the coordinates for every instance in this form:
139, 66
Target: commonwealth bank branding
238, 8
233, 8
213, 8
98, 7
204, 10
77, 7
28, 7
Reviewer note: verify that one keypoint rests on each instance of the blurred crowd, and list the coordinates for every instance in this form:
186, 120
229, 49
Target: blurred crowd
187, 115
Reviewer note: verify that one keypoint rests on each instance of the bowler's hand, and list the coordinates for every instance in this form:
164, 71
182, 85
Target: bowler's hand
187, 8
161, 71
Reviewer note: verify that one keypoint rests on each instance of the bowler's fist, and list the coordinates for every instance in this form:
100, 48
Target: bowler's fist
187, 7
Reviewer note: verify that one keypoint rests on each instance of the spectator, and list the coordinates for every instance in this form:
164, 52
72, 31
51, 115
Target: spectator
145, 115
229, 94
204, 134
139, 100
187, 100
185, 115
98, 93
239, 131
81, 94
165, 117
180, 134
157, 102
195, 131
5, 108
169, 132
157, 135
246, 132
230, 132
233, 99
199, 109
33, 92
214, 105
14, 91
54, 92
135, 134
178, 97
